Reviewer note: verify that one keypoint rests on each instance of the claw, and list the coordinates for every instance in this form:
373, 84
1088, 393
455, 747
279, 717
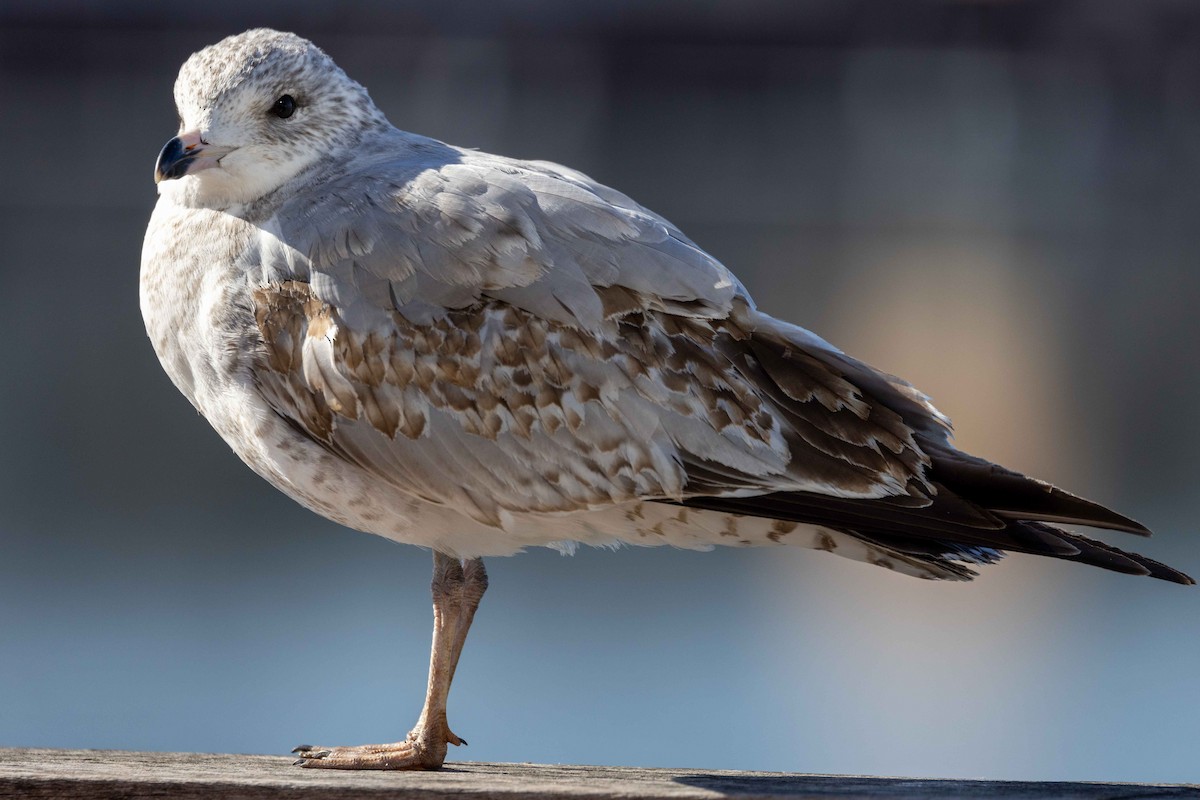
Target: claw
299, 762
300, 747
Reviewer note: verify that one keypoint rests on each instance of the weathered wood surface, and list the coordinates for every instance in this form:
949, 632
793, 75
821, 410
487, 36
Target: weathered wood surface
116, 774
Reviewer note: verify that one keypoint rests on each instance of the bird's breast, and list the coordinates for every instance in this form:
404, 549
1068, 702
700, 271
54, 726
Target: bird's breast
195, 299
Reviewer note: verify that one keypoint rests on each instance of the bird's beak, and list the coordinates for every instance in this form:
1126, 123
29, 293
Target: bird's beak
185, 154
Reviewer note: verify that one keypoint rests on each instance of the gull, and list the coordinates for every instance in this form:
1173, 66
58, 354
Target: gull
478, 354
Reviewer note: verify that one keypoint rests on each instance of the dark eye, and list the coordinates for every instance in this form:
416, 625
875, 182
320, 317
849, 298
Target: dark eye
284, 107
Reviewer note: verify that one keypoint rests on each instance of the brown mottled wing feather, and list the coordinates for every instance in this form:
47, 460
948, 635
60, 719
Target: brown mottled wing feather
975, 503
510, 337
497, 410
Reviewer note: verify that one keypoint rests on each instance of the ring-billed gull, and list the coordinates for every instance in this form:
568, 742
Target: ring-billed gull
478, 354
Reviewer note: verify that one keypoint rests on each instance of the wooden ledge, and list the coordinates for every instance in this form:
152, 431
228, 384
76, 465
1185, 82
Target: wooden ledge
117, 774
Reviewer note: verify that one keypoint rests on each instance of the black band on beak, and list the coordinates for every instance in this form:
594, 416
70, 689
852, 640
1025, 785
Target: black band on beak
173, 161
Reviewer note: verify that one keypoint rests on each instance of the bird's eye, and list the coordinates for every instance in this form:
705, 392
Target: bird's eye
284, 107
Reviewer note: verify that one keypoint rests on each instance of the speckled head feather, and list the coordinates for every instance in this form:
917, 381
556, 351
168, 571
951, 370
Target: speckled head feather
226, 92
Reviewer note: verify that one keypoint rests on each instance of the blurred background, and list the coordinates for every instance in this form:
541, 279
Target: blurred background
997, 200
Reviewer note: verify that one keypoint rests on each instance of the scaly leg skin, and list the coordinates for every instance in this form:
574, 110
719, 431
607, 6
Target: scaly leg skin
457, 589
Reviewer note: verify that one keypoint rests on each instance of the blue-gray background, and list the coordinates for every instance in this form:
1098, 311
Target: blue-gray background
997, 200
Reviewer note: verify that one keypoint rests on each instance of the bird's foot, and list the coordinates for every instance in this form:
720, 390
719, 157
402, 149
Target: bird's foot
422, 749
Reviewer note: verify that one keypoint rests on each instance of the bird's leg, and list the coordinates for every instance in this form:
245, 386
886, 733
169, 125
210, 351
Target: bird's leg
457, 588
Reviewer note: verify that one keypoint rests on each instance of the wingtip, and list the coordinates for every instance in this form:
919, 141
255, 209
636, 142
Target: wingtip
1071, 509
1103, 517
1099, 517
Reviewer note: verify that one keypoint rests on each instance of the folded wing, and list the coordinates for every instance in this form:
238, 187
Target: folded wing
510, 337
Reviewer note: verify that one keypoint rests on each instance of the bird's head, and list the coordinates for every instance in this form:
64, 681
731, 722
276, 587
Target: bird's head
255, 110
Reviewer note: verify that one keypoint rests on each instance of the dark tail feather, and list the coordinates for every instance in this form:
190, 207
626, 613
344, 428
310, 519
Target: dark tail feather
977, 507
979, 510
941, 521
1083, 550
1099, 554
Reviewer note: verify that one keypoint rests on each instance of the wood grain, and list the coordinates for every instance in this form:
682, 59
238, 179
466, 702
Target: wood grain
27, 773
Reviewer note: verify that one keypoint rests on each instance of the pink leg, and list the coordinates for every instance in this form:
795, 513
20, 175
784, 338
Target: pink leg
457, 588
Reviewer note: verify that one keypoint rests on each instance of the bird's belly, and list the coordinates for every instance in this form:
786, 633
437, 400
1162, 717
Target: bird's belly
347, 494
342, 491
304, 470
